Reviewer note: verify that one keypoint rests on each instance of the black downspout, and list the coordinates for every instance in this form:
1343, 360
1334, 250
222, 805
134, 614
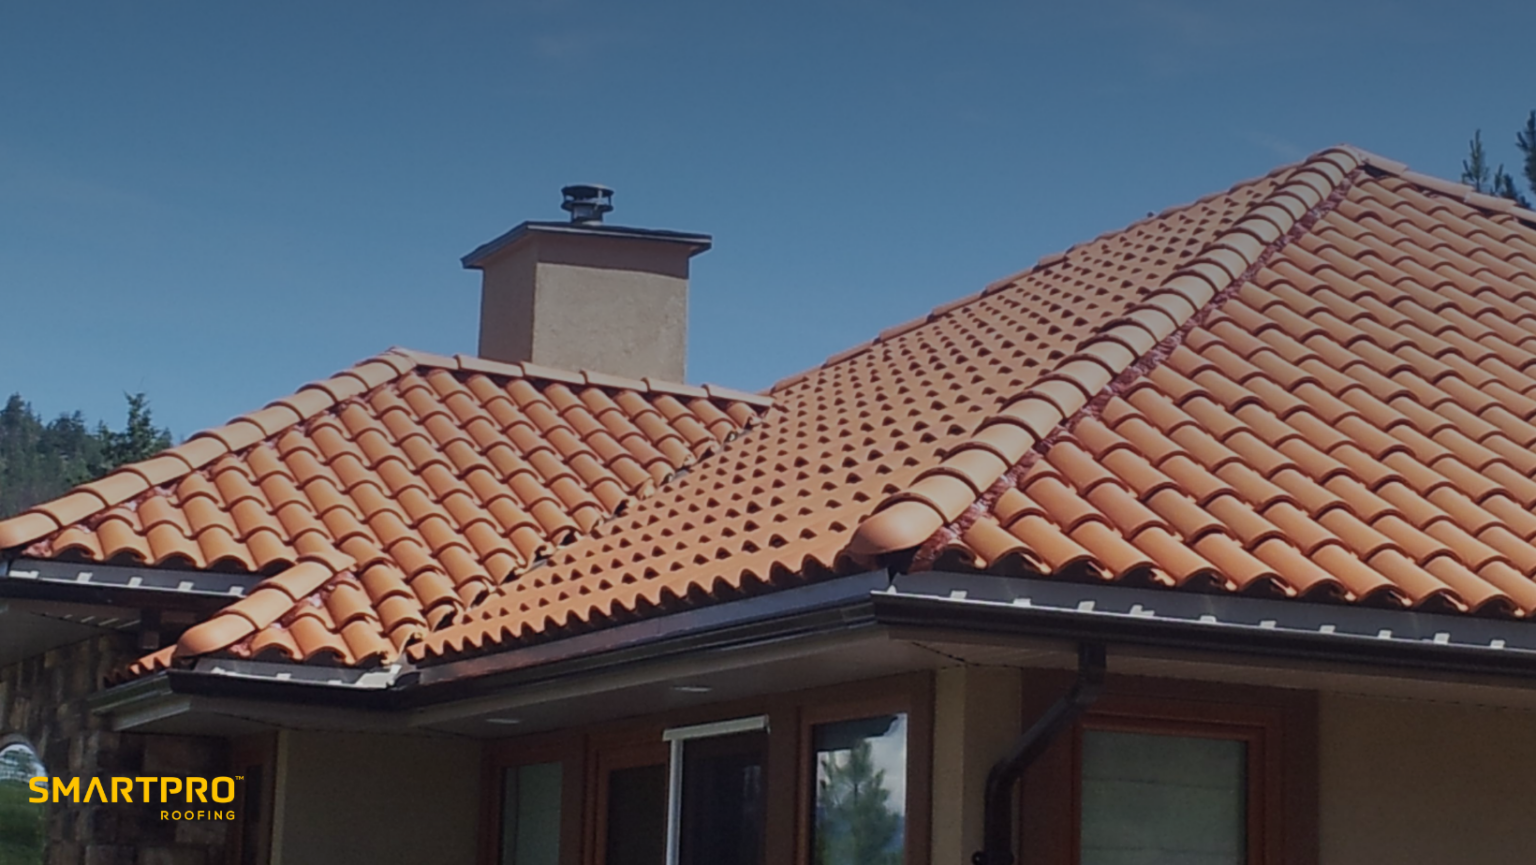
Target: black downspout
997, 817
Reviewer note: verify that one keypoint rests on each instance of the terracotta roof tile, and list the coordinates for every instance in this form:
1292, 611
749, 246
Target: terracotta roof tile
1348, 373
1314, 385
404, 462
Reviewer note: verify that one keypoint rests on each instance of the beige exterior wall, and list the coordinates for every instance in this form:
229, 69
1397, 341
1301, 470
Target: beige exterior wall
976, 718
383, 800
1421, 783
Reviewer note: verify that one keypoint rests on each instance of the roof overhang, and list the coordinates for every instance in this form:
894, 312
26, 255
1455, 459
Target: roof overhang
851, 628
1228, 624
122, 585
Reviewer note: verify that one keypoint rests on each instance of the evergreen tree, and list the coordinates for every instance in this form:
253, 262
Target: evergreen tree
1474, 169
1525, 139
855, 824
40, 461
139, 439
1477, 172
1504, 187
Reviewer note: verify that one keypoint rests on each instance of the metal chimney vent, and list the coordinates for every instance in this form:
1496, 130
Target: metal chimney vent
587, 202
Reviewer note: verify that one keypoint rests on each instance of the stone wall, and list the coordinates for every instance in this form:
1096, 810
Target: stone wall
43, 699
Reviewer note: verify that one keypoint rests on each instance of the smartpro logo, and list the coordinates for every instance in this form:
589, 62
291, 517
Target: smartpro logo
195, 791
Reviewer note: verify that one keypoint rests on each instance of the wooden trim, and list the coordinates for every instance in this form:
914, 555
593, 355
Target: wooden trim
604, 759
590, 753
259, 750
915, 700
1279, 727
500, 755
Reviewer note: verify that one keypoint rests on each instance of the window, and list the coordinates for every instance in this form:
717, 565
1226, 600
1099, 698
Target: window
824, 777
1169, 800
717, 806
530, 814
859, 811
629, 811
23, 824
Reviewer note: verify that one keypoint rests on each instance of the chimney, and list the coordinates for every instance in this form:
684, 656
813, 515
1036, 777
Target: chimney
584, 295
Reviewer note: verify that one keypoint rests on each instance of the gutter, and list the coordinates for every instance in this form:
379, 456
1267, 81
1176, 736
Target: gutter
835, 606
923, 605
839, 604
1402, 640
997, 815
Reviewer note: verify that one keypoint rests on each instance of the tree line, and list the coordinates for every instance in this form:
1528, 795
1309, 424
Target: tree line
1478, 172
40, 461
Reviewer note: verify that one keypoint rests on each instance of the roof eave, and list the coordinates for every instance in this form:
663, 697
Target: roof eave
1394, 640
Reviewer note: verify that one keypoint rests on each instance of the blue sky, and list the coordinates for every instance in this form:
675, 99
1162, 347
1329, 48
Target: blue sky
216, 202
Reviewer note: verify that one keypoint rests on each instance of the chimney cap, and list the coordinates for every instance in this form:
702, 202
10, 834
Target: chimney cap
587, 202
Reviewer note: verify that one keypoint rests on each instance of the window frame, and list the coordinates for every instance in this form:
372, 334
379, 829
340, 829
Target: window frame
590, 751
258, 751
916, 817
504, 754
1279, 728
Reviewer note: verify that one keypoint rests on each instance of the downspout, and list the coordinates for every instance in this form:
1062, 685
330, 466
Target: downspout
997, 816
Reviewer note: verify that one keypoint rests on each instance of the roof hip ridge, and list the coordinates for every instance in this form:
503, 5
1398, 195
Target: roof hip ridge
1029, 422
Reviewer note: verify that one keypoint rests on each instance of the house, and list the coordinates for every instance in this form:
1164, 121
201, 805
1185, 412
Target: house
1209, 540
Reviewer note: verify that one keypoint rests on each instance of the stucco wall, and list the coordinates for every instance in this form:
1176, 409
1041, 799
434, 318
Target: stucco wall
381, 800
1415, 783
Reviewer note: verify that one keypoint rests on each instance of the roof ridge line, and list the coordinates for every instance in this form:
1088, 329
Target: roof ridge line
584, 377
1048, 260
941, 494
128, 482
1461, 191
202, 448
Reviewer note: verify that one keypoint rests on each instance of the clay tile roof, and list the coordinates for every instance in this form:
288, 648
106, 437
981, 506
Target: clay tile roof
896, 437
1319, 384
387, 499
1340, 410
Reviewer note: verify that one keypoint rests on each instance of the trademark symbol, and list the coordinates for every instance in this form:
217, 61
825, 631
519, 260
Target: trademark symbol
239, 777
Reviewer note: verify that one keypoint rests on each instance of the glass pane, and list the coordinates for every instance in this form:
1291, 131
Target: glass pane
723, 807
860, 813
23, 824
637, 816
530, 815
1163, 800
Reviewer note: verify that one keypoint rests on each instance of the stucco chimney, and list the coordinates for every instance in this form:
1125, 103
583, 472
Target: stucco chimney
582, 295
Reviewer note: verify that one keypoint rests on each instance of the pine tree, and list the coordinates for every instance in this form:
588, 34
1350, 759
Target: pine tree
139, 439
41, 461
1525, 139
1504, 187
855, 825
1474, 170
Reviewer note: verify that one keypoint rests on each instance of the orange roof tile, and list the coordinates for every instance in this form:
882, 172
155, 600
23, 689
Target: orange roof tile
1335, 421
1316, 384
781, 506
1320, 384
387, 499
